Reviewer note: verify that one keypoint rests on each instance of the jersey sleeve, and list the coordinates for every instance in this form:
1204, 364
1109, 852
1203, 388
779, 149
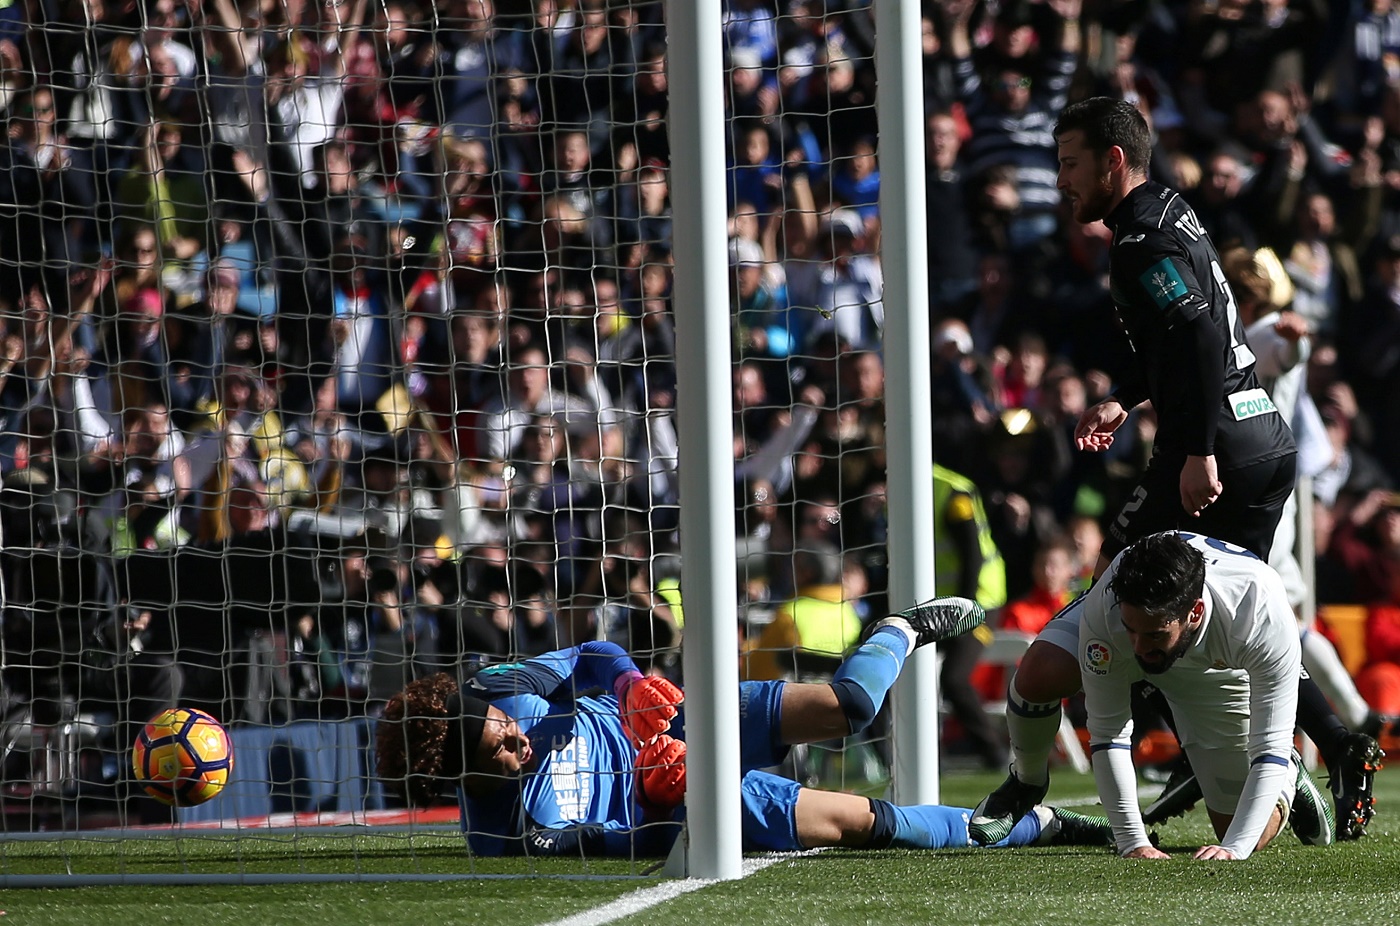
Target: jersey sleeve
1272, 655
649, 840
1107, 699
558, 675
1152, 272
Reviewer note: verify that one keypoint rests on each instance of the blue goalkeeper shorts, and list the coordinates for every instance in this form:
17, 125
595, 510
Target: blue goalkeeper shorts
760, 725
769, 812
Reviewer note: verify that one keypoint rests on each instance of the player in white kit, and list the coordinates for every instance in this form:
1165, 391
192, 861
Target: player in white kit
1209, 624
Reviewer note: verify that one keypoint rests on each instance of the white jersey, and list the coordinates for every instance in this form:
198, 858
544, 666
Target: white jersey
1234, 692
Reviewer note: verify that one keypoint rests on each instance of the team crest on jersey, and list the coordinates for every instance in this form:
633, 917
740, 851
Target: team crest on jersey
1163, 283
1097, 657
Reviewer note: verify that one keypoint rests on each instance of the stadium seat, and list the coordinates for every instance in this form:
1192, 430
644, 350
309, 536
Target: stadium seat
50, 750
1346, 627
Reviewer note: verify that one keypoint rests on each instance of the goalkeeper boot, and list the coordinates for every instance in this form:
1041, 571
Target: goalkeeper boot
1311, 814
1068, 828
1181, 792
1353, 782
994, 818
935, 619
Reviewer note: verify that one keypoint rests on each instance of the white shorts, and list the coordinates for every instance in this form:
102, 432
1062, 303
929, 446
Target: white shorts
1222, 774
1063, 630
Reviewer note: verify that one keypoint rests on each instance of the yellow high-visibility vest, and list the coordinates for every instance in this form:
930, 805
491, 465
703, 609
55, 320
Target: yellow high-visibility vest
991, 581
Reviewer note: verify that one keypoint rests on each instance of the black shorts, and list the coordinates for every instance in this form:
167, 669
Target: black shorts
1246, 513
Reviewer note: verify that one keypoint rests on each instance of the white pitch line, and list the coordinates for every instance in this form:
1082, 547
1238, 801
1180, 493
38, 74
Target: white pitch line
648, 897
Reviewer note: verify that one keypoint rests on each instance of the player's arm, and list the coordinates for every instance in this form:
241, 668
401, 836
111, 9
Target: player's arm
647, 704
1201, 386
1157, 275
1107, 699
589, 666
1273, 657
596, 840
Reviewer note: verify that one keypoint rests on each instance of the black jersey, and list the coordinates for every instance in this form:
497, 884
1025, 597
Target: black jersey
1180, 317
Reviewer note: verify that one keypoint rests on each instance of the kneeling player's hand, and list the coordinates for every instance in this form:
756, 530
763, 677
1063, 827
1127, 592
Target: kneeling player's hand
661, 772
648, 707
1214, 853
1146, 852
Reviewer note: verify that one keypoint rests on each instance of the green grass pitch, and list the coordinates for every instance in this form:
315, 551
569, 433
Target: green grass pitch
1286, 884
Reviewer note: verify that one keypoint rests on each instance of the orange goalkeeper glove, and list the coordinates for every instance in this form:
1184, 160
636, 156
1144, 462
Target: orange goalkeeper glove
661, 772
648, 707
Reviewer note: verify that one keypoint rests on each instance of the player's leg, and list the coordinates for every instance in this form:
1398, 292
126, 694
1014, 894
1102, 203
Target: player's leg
1302, 804
812, 713
1221, 774
780, 815
1325, 667
777, 715
1248, 514
1048, 673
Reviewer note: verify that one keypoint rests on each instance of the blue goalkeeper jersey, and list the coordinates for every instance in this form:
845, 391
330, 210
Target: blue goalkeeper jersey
580, 795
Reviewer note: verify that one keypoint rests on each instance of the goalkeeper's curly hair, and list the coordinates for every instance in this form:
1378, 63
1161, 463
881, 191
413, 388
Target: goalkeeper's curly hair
410, 739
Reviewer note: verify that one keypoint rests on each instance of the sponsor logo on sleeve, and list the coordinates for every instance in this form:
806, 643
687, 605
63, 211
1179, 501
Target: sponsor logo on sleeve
1163, 283
1097, 657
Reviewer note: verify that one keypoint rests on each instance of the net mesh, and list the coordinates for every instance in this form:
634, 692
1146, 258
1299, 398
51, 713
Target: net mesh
340, 353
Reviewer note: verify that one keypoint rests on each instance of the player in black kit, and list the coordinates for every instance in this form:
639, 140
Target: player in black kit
1223, 458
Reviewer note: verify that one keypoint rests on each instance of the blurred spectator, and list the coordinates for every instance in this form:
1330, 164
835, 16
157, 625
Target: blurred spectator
857, 180
1087, 537
968, 564
1217, 201
644, 112
849, 289
1052, 572
749, 25
753, 91
1263, 42
1366, 61
1013, 111
580, 78
1367, 545
528, 393
951, 259
810, 632
760, 302
475, 47
1352, 468
755, 176
1370, 350
1323, 266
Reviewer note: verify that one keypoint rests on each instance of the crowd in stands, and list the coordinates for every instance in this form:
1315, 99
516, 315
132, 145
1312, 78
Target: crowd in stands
384, 291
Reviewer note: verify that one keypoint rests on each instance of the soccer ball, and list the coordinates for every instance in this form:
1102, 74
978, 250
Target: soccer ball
182, 757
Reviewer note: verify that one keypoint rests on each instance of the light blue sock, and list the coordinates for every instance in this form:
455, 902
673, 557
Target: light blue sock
934, 826
867, 675
1024, 833
920, 826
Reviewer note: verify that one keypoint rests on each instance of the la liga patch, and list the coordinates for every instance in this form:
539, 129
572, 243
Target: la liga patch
1097, 657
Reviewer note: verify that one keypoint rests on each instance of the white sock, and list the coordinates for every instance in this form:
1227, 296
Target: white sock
1033, 728
1325, 666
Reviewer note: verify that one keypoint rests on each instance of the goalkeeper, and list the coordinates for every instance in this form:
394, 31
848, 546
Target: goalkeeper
576, 752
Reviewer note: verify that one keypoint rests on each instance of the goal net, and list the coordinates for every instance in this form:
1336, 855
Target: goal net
338, 353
